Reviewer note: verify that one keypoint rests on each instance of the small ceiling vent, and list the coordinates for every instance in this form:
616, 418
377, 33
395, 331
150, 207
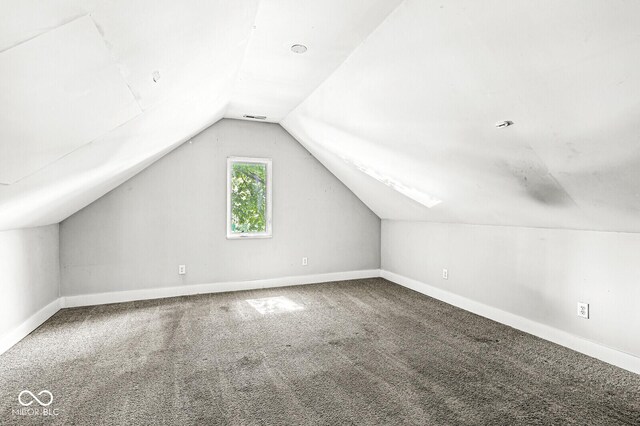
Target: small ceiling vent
255, 117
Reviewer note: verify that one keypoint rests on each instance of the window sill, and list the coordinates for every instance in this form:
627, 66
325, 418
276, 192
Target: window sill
247, 236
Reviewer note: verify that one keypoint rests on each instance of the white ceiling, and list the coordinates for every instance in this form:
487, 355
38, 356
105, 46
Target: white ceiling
195, 45
89, 97
398, 99
273, 80
418, 100
81, 110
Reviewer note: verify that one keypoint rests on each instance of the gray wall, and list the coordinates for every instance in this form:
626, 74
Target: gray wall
539, 274
30, 273
174, 213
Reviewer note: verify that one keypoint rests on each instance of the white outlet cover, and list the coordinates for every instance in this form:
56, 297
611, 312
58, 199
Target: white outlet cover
182, 269
583, 310
445, 274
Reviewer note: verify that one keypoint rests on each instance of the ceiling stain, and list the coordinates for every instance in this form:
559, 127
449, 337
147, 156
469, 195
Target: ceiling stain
540, 186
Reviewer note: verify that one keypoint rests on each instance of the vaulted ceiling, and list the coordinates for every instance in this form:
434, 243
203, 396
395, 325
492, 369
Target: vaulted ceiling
399, 99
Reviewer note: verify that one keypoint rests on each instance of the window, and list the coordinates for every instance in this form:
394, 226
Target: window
248, 197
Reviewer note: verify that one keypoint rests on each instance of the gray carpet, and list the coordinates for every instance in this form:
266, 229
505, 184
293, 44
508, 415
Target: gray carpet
356, 352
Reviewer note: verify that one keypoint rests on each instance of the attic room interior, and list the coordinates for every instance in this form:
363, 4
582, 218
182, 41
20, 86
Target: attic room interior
279, 212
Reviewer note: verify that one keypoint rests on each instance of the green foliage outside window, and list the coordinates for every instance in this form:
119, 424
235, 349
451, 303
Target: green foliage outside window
248, 198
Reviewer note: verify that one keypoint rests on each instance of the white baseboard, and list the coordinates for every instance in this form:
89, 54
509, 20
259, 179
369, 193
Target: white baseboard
33, 322
219, 287
579, 344
30, 324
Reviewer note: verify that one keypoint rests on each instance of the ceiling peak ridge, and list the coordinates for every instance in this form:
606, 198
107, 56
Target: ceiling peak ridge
245, 48
346, 59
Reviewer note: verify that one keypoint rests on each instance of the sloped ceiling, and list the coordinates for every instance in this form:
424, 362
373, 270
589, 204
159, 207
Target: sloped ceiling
105, 137
90, 97
398, 98
93, 91
414, 108
272, 80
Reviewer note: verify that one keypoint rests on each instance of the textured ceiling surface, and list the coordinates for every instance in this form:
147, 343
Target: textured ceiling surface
272, 80
197, 48
399, 99
414, 109
41, 122
93, 91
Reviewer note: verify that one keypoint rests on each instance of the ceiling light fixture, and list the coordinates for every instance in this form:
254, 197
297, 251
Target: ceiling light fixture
156, 76
298, 48
503, 124
256, 117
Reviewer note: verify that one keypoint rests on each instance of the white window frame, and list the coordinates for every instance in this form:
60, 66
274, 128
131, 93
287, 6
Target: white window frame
242, 235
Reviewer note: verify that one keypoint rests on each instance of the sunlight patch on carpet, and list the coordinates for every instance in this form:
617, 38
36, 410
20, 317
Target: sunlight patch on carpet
274, 305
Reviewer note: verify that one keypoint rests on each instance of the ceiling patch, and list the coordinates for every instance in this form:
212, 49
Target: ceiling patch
58, 92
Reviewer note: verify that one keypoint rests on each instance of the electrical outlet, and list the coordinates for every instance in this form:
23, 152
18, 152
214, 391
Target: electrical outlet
445, 274
583, 310
182, 269
305, 261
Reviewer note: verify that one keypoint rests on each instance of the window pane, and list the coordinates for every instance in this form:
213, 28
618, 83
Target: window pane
248, 198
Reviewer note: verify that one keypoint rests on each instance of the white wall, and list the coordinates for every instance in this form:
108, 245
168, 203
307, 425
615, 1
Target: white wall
174, 213
29, 275
539, 274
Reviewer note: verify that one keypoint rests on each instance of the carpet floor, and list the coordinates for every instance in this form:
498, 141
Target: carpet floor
354, 352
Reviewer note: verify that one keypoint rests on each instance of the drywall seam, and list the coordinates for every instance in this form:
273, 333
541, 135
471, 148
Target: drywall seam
250, 35
45, 30
612, 356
